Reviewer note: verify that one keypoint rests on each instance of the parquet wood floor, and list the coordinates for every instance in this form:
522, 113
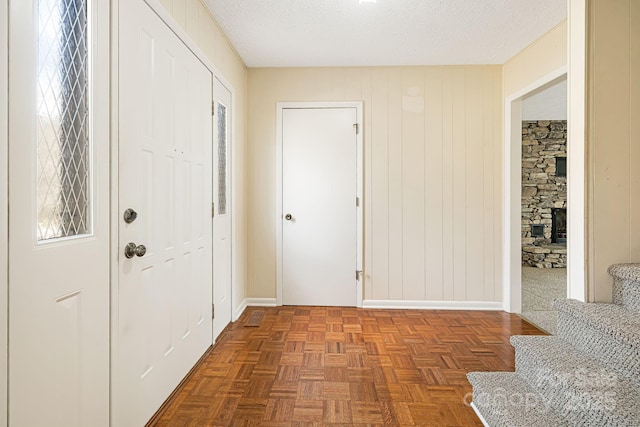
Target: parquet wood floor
313, 366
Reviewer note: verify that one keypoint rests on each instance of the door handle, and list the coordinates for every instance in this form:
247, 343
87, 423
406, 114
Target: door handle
288, 217
132, 250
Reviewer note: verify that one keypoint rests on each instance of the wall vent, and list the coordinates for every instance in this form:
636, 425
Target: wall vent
537, 230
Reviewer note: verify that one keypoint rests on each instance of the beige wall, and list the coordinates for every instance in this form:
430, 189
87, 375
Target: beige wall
539, 59
432, 176
195, 18
613, 153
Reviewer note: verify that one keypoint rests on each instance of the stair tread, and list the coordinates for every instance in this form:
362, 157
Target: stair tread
505, 400
612, 319
626, 271
626, 285
574, 380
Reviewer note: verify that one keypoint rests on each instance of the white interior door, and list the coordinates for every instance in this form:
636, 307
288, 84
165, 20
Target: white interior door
165, 137
59, 213
319, 221
222, 208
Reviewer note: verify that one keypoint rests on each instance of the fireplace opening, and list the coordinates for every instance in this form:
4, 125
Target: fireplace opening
558, 225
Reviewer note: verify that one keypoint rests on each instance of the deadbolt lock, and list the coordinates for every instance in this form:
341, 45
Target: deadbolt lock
130, 215
288, 217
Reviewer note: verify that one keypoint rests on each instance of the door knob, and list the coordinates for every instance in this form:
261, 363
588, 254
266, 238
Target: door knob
132, 250
288, 217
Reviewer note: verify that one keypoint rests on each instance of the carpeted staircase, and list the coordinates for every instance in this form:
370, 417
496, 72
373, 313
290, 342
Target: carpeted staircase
586, 375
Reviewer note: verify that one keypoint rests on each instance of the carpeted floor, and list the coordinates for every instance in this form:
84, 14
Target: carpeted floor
540, 286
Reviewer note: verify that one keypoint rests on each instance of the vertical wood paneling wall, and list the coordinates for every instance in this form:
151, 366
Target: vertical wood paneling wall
432, 176
196, 20
613, 155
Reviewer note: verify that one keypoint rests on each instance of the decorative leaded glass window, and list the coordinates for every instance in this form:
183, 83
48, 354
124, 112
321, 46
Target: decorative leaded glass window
222, 159
63, 121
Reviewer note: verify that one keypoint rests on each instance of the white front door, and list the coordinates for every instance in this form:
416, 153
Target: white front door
59, 213
164, 284
222, 208
319, 212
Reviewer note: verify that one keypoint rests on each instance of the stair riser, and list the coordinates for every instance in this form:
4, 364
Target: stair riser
496, 418
614, 353
594, 406
626, 293
507, 402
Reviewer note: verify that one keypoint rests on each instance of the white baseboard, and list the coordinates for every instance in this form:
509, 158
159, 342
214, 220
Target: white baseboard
475, 409
390, 304
253, 302
433, 305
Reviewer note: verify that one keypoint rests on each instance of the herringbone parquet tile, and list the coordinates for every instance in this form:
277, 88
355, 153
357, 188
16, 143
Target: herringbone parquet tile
310, 366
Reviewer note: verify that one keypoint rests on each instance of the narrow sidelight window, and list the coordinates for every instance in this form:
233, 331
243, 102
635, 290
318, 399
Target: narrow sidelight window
63, 120
222, 159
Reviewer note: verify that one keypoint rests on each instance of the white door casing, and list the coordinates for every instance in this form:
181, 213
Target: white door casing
4, 223
222, 208
59, 288
165, 133
512, 167
319, 220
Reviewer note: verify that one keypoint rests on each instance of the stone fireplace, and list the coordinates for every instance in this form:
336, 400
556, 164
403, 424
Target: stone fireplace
544, 193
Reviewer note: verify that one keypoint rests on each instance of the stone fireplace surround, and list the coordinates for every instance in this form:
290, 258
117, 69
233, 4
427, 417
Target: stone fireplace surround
542, 191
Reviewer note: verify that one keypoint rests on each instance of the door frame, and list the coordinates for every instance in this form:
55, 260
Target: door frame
232, 188
4, 211
115, 214
512, 167
280, 106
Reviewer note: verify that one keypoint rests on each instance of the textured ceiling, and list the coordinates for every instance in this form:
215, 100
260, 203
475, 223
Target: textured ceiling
311, 33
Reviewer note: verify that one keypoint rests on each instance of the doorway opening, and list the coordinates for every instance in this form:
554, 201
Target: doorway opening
514, 229
544, 202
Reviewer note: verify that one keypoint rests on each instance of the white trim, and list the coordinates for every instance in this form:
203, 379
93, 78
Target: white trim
114, 367
4, 210
234, 168
359, 192
576, 142
433, 305
239, 310
475, 409
512, 167
253, 302
259, 302
278, 204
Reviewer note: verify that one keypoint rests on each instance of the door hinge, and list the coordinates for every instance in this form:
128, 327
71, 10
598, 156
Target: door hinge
357, 128
213, 311
213, 108
358, 273
357, 202
213, 210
